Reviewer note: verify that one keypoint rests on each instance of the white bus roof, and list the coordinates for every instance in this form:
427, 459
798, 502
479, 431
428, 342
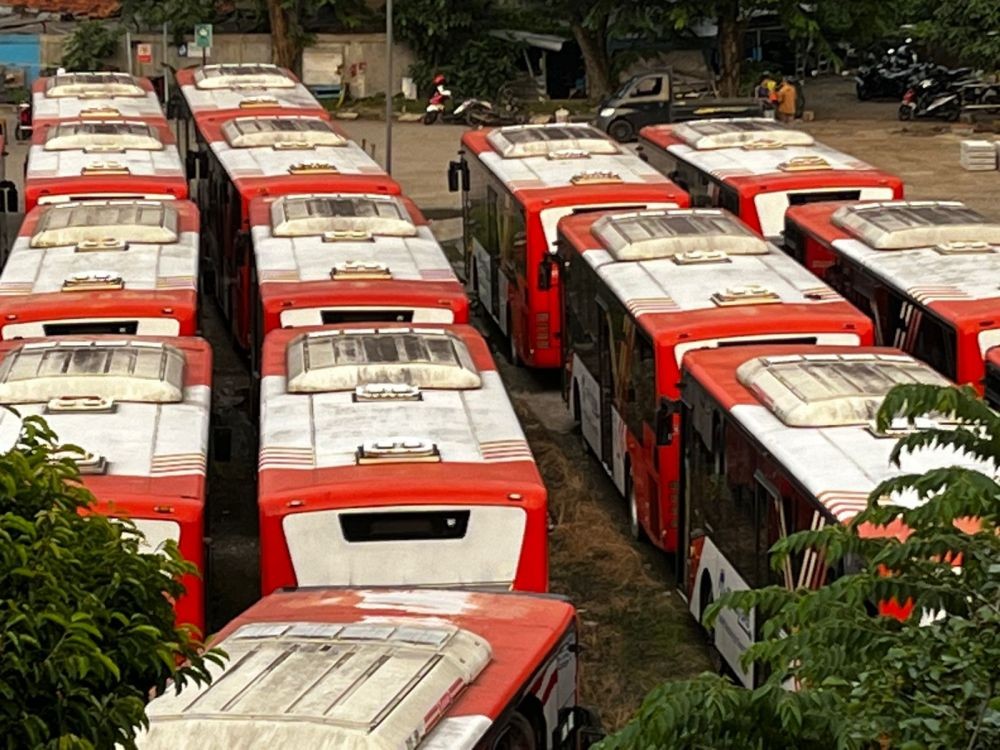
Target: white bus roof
837, 457
96, 84
248, 99
345, 213
99, 136
551, 141
349, 158
901, 225
144, 372
647, 235
96, 108
723, 163
123, 401
345, 360
245, 75
77, 163
751, 132
287, 132
381, 685
99, 221
830, 390
402, 394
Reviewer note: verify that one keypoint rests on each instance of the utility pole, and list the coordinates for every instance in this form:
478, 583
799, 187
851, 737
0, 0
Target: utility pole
388, 86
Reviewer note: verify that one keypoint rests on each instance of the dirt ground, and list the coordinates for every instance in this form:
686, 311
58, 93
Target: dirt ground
636, 632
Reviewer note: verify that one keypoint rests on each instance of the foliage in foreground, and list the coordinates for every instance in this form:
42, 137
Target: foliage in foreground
870, 682
86, 626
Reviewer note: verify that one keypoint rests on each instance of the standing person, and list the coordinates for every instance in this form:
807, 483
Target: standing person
786, 95
765, 89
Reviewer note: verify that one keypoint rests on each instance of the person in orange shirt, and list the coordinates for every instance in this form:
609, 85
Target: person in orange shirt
786, 101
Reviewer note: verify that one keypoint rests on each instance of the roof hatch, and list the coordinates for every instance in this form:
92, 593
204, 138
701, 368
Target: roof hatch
106, 225
93, 85
340, 217
899, 225
378, 685
830, 390
342, 360
101, 136
102, 371
676, 233
288, 133
755, 132
242, 75
555, 141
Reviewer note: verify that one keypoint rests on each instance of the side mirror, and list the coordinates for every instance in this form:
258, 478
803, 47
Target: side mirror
458, 176
545, 268
665, 421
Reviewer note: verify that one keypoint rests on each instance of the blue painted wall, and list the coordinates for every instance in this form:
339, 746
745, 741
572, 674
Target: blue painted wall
22, 51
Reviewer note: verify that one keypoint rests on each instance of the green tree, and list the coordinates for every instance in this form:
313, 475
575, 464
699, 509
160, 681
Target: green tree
90, 45
180, 15
871, 682
292, 21
86, 623
968, 27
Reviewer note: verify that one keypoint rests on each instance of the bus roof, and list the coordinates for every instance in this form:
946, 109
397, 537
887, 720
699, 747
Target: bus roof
939, 253
293, 655
119, 244
698, 261
95, 102
550, 167
93, 84
95, 390
241, 100
387, 397
344, 237
812, 409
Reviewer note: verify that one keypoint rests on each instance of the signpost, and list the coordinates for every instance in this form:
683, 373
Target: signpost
203, 38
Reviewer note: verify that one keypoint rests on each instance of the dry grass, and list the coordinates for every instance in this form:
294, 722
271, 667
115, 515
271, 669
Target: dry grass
635, 630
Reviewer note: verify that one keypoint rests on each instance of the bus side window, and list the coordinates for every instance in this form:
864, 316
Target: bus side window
641, 408
936, 344
492, 220
729, 199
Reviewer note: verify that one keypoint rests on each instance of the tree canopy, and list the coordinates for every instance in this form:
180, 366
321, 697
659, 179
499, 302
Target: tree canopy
867, 681
86, 623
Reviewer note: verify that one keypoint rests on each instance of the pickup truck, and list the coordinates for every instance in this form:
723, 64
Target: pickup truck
652, 98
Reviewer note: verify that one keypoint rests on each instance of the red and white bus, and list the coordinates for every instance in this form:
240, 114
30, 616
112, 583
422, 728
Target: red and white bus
756, 168
927, 273
641, 290
780, 439
517, 183
140, 407
391, 455
123, 266
426, 669
330, 258
259, 156
94, 96
77, 159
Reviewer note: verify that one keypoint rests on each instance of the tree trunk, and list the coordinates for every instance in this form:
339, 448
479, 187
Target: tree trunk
283, 51
730, 48
593, 47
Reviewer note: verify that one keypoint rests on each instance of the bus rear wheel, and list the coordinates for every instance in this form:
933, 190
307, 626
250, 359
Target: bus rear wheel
518, 734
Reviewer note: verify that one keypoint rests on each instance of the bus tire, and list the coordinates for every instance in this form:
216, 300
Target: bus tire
635, 529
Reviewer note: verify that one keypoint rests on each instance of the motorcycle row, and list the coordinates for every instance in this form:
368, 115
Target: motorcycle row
923, 88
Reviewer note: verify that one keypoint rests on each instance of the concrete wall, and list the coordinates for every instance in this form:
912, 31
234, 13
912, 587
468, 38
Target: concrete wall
363, 64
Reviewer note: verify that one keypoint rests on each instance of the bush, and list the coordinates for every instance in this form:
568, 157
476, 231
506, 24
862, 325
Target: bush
89, 46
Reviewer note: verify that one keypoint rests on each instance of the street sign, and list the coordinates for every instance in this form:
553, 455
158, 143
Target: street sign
203, 35
144, 53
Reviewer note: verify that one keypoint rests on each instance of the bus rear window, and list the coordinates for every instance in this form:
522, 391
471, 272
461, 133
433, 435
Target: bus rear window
125, 327
404, 526
333, 317
801, 199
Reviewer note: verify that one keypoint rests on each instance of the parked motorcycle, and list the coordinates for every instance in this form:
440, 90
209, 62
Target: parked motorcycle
890, 76
469, 112
941, 94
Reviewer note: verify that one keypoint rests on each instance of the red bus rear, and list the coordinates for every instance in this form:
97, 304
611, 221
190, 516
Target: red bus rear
926, 272
517, 183
79, 159
391, 455
122, 266
756, 168
140, 407
643, 289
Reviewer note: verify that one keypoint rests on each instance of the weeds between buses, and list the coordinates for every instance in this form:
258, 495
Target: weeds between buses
517, 182
757, 168
641, 290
